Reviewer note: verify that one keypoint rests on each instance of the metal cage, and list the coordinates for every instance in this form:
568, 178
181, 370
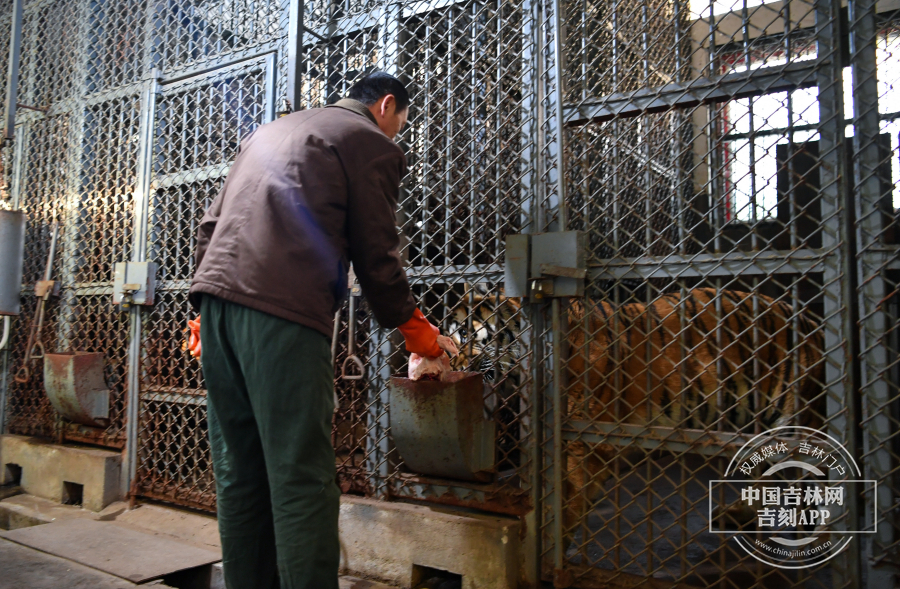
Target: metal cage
734, 168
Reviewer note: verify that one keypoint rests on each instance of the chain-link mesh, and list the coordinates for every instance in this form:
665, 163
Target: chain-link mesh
100, 233
51, 36
84, 65
78, 169
195, 32
199, 126
708, 149
466, 65
875, 69
28, 409
115, 31
703, 158
175, 462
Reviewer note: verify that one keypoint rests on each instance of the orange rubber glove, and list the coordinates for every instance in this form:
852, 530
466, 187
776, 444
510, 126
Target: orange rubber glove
194, 339
421, 336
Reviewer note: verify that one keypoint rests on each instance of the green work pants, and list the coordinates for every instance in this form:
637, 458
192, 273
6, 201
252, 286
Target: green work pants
269, 408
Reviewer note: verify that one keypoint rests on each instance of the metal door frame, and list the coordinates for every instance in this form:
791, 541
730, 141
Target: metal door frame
843, 202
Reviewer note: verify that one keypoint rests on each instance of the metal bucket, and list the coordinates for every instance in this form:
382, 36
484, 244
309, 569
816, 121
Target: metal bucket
76, 387
12, 250
439, 428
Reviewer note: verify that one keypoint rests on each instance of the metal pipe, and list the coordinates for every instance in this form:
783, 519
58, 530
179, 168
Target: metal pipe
563, 216
29, 107
48, 269
841, 326
427, 167
539, 117
5, 339
867, 322
12, 247
139, 254
334, 335
557, 398
532, 64
12, 80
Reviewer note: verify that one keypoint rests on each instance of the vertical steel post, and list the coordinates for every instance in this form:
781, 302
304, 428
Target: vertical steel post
556, 498
531, 337
866, 196
295, 53
15, 190
557, 410
271, 85
378, 465
381, 348
559, 97
139, 254
389, 41
12, 80
9, 133
838, 267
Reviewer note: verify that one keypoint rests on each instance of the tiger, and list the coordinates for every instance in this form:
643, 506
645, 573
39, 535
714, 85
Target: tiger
684, 363
485, 328
704, 360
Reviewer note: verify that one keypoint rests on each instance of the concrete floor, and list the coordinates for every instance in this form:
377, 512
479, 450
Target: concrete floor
25, 568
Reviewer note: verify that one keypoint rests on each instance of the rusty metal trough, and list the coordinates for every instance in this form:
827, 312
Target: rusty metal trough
76, 387
439, 428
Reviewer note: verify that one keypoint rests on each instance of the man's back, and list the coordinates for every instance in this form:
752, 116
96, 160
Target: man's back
308, 194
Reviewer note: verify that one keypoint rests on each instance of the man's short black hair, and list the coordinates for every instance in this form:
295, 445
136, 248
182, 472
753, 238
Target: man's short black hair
373, 87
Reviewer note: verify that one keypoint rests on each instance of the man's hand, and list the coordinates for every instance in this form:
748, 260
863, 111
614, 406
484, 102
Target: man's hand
428, 349
423, 338
194, 339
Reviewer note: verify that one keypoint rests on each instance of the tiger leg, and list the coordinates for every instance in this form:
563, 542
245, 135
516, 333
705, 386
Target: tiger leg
588, 467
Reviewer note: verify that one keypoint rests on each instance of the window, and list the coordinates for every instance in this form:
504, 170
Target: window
754, 127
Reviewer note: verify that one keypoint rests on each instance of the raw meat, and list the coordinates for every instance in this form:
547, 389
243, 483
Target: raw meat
428, 368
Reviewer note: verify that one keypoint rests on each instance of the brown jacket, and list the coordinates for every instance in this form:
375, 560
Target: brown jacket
308, 194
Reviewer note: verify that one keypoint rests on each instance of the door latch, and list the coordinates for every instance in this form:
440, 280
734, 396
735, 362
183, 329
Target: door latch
544, 265
134, 283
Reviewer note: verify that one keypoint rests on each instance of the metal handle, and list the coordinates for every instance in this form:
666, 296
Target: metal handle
34, 337
23, 375
351, 325
359, 365
37, 346
334, 335
351, 343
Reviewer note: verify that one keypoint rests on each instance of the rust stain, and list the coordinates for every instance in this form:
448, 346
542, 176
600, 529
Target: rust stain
562, 578
505, 501
425, 389
75, 381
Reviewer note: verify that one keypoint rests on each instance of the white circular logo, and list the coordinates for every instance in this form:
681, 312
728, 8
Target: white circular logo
789, 490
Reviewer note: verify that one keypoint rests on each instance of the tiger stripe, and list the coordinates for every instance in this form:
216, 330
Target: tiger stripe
667, 356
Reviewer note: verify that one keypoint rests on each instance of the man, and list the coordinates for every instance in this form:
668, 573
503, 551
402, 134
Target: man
307, 195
